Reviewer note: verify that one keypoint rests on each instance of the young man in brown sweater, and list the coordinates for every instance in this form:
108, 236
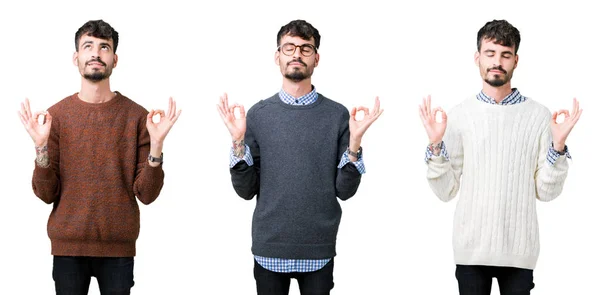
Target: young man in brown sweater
96, 150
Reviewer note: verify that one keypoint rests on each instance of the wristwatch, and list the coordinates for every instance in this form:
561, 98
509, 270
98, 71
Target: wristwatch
357, 154
156, 160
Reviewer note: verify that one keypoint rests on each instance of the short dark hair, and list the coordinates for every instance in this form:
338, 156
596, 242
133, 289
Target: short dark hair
99, 29
502, 32
299, 28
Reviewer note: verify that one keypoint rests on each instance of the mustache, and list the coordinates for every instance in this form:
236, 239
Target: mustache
298, 61
98, 60
498, 68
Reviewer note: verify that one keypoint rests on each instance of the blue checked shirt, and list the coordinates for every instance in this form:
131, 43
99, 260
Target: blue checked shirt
284, 265
514, 97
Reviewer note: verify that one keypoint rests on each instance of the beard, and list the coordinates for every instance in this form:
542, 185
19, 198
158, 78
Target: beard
496, 81
296, 75
96, 76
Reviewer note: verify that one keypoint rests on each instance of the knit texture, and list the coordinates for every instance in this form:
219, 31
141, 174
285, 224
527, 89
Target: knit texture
98, 164
498, 160
296, 150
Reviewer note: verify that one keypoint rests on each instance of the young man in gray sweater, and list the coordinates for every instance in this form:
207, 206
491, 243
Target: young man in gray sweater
296, 151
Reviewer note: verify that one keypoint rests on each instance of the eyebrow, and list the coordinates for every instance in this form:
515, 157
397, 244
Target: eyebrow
503, 52
101, 43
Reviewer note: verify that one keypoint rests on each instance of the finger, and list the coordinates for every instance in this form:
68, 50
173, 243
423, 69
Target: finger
575, 107
242, 112
170, 110
375, 116
225, 100
23, 119
149, 117
376, 106
563, 111
364, 109
422, 109
232, 110
554, 117
48, 118
428, 104
434, 113
444, 116
578, 115
421, 114
222, 102
353, 114
36, 117
221, 113
575, 118
221, 107
176, 117
27, 108
22, 110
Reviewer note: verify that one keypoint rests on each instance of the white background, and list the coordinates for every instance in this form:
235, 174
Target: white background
395, 235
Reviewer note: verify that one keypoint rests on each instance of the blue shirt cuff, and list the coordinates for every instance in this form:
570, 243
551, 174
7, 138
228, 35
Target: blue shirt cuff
360, 165
429, 154
234, 160
553, 154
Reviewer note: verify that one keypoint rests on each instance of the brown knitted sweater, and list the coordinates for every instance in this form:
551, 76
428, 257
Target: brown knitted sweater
98, 164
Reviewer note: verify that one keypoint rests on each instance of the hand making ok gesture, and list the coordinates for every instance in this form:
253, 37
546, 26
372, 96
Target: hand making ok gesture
560, 131
38, 132
435, 130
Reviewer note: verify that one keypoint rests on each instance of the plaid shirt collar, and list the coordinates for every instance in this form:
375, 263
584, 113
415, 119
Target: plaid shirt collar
514, 97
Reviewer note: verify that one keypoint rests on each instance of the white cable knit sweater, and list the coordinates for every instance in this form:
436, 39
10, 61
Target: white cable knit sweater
498, 159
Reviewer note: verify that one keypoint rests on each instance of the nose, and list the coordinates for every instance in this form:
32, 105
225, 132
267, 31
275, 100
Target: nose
297, 53
496, 60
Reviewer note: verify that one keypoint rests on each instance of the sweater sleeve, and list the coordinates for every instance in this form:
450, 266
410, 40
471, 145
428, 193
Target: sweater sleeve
244, 177
348, 177
444, 175
46, 181
549, 179
148, 180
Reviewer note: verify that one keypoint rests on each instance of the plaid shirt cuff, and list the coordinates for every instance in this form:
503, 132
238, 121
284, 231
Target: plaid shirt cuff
429, 154
234, 160
360, 165
553, 154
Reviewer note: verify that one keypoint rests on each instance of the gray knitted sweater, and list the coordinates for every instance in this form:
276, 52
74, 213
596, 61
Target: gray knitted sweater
296, 150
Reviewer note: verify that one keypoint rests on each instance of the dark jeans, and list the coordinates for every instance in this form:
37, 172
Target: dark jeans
72, 274
477, 280
318, 282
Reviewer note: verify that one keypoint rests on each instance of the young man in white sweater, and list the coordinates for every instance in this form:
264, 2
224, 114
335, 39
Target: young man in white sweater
504, 151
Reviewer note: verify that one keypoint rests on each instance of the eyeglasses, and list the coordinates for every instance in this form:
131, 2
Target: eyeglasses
290, 48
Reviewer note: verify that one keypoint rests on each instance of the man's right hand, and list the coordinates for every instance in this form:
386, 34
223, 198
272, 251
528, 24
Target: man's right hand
38, 132
236, 126
435, 130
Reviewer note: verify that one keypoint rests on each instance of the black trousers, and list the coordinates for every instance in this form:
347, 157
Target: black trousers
72, 274
477, 280
318, 282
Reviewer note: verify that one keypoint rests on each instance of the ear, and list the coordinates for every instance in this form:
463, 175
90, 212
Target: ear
317, 56
75, 58
277, 57
516, 60
476, 58
115, 60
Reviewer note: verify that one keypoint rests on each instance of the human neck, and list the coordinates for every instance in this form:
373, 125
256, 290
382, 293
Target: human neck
297, 89
497, 93
96, 92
